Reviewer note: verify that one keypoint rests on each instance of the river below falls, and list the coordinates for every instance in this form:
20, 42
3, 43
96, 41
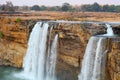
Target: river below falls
10, 73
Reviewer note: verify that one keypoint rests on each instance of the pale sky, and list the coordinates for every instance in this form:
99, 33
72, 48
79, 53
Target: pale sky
59, 2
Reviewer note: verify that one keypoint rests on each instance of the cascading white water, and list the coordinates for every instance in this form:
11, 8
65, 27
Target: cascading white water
109, 30
35, 57
35, 62
49, 51
92, 62
98, 59
42, 51
30, 60
52, 60
88, 60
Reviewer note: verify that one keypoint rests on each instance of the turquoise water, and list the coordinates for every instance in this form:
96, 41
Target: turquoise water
8, 73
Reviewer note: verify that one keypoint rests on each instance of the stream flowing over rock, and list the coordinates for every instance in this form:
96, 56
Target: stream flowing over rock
72, 42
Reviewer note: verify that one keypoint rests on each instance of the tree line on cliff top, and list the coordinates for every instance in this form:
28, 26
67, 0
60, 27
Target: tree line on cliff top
65, 7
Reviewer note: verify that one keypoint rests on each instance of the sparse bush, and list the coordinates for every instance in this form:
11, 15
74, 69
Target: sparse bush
18, 20
1, 34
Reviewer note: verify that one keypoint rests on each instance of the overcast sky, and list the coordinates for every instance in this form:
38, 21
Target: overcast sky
58, 2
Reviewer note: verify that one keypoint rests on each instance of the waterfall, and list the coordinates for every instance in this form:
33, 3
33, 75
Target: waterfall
34, 60
99, 56
51, 59
92, 65
41, 54
109, 30
34, 64
30, 60
48, 52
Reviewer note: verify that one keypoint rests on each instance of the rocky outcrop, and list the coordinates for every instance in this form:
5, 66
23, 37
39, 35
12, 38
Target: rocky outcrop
12, 54
73, 39
13, 42
113, 64
116, 30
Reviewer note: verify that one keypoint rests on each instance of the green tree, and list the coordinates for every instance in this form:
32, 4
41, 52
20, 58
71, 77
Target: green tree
86, 8
117, 9
55, 8
2, 7
66, 7
35, 7
43, 8
105, 8
112, 8
109, 8
96, 7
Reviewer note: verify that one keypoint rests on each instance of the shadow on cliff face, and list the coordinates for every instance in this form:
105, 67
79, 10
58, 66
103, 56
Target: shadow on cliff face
116, 30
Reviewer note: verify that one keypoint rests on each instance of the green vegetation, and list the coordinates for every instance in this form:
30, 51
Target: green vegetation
98, 8
87, 7
65, 7
1, 34
18, 20
42, 8
35, 7
7, 7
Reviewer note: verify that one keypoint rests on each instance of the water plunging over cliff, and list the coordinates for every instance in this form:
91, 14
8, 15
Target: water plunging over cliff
51, 61
93, 64
35, 61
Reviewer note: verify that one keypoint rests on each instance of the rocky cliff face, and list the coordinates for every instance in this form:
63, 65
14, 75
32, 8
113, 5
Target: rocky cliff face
13, 42
73, 39
14, 34
11, 53
113, 64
